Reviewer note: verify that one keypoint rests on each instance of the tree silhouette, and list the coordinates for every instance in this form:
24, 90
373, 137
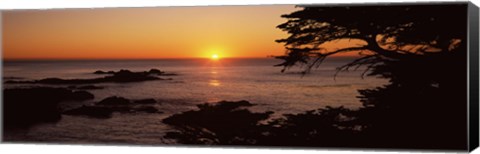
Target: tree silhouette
420, 49
385, 32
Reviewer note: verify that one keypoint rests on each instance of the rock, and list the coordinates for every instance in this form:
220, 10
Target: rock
209, 114
160, 73
121, 76
225, 105
128, 76
107, 111
168, 74
114, 100
123, 72
103, 72
155, 72
87, 87
99, 72
145, 101
91, 111
24, 107
81, 95
152, 71
148, 109
90, 87
216, 123
53, 80
107, 106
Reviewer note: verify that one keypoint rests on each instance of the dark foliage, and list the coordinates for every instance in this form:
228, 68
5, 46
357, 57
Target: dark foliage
328, 127
424, 104
384, 33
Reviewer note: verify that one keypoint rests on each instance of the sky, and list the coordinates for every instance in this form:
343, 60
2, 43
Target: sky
144, 33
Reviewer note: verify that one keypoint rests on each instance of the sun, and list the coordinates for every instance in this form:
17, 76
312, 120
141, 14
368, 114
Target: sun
214, 57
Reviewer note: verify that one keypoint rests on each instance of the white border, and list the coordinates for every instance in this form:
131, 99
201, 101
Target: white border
53, 149
48, 4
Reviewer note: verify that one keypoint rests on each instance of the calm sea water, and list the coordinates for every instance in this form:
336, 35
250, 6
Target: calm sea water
199, 81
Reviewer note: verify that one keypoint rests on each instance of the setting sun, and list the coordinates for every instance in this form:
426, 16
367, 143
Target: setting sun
143, 33
215, 57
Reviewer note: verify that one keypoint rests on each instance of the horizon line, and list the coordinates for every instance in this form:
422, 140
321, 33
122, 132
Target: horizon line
166, 58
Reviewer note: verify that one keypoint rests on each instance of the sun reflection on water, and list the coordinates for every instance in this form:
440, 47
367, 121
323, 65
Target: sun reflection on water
214, 77
214, 83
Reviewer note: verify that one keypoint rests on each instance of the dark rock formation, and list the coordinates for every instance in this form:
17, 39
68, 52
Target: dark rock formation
81, 95
218, 123
121, 76
92, 111
148, 109
230, 123
86, 87
114, 100
107, 106
103, 72
152, 71
145, 101
24, 107
155, 71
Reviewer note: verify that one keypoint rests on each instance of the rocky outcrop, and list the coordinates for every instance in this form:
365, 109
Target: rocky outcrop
224, 122
24, 107
106, 107
152, 71
122, 76
114, 100
86, 87
145, 101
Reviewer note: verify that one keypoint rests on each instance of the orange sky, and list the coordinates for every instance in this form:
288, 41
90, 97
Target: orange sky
144, 33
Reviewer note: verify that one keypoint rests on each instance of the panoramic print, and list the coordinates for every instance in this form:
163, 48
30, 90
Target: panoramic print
360, 76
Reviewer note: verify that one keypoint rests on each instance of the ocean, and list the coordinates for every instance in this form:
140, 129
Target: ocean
198, 81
